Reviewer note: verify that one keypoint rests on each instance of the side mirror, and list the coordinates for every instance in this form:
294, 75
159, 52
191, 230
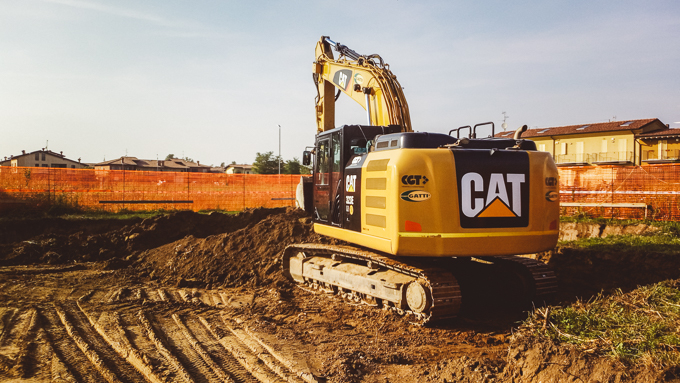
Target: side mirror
306, 158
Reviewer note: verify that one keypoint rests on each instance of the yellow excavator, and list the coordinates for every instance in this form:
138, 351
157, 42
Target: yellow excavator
422, 210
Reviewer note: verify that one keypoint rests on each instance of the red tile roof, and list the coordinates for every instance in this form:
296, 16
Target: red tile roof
583, 128
661, 133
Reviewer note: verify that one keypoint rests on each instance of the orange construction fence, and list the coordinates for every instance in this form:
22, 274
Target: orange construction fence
648, 191
114, 190
623, 192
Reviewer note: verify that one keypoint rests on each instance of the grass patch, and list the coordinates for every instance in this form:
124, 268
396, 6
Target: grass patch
661, 242
638, 327
666, 226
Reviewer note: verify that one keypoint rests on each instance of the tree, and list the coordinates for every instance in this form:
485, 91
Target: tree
295, 167
170, 157
266, 163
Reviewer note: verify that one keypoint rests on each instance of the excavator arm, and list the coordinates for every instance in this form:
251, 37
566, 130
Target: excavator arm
365, 79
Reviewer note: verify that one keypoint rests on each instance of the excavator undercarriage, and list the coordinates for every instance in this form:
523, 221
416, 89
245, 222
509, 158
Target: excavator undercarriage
426, 289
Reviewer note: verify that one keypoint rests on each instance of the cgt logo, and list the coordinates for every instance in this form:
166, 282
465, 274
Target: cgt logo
491, 199
414, 180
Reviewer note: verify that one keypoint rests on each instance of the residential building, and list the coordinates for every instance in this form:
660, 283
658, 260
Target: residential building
660, 146
239, 169
133, 163
42, 158
614, 142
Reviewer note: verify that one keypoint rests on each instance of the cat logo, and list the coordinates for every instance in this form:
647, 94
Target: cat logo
493, 191
350, 183
342, 78
497, 201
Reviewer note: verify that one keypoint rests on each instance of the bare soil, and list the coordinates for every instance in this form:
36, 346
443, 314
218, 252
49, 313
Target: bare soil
193, 297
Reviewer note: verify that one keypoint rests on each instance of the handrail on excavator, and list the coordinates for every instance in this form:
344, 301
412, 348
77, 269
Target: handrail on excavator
457, 130
493, 129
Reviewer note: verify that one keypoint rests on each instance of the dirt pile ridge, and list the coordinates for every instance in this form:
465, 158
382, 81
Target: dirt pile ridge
247, 256
59, 241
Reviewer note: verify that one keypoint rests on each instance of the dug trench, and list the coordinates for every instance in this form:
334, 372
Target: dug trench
196, 297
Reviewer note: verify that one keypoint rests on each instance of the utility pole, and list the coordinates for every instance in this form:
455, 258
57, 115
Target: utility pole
279, 149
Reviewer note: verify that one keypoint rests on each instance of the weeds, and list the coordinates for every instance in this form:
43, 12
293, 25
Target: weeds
638, 327
661, 242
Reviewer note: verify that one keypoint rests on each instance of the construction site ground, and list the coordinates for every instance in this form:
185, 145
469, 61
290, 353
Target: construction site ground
190, 297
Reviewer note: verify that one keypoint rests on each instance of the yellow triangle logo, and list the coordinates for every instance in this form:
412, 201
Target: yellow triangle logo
496, 209
350, 188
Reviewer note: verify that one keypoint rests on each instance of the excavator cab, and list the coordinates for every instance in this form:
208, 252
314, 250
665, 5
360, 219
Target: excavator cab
334, 152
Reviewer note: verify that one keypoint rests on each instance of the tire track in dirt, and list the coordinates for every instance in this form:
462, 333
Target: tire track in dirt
109, 328
70, 359
241, 353
200, 350
225, 359
119, 366
18, 337
162, 348
181, 349
86, 348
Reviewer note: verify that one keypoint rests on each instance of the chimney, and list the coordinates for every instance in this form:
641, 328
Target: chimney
62, 153
198, 162
23, 152
78, 159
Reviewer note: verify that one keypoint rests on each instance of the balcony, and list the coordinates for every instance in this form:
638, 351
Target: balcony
652, 156
611, 157
594, 158
572, 159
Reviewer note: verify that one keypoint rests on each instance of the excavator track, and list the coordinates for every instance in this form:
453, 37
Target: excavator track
540, 280
428, 294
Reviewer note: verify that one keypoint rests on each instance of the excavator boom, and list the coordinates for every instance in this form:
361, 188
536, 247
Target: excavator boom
366, 79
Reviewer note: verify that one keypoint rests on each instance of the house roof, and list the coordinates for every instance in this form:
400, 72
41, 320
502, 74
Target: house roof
668, 132
119, 161
611, 126
174, 163
245, 166
51, 153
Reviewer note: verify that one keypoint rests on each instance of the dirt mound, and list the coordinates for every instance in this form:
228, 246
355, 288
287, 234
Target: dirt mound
58, 241
248, 256
530, 360
584, 273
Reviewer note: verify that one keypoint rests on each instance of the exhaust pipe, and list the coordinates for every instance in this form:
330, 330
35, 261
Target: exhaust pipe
518, 132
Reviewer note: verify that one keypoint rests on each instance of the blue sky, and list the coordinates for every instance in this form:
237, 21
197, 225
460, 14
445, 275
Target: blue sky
211, 80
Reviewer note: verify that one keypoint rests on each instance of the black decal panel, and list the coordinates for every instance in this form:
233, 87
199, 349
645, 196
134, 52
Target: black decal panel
343, 78
493, 189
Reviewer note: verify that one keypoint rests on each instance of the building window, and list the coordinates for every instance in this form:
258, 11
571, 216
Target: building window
45, 165
43, 156
37, 157
37, 165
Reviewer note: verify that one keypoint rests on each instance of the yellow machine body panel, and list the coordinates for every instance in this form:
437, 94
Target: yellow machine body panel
420, 202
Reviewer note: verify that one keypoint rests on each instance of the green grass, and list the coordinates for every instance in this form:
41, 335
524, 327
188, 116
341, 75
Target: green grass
661, 242
639, 327
74, 212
